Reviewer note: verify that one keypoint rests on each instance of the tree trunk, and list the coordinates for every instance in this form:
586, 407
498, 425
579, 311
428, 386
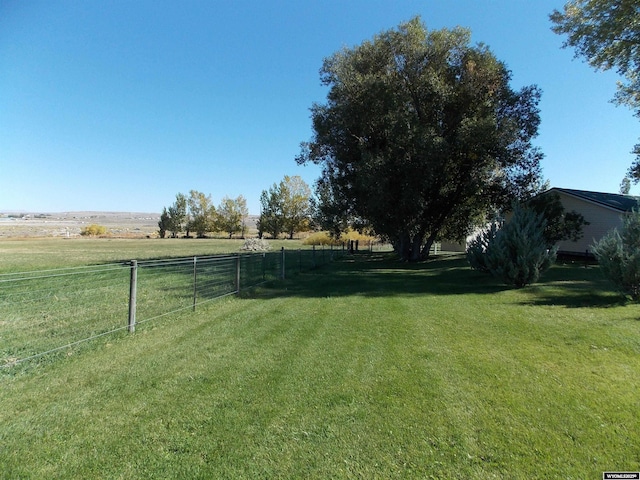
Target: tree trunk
427, 247
409, 248
416, 249
401, 246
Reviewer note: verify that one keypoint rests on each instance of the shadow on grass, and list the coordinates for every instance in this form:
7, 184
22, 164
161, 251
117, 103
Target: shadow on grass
379, 275
574, 286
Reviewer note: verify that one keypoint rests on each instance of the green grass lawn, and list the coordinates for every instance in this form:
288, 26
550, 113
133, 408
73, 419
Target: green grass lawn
364, 369
35, 254
48, 310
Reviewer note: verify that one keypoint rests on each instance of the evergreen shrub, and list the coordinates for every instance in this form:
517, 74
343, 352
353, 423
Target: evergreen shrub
517, 253
477, 249
618, 254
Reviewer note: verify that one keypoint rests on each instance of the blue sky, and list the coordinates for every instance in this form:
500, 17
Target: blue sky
117, 105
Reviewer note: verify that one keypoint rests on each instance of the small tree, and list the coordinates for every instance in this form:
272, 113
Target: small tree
177, 215
519, 253
231, 215
271, 219
477, 249
559, 224
618, 254
163, 224
174, 217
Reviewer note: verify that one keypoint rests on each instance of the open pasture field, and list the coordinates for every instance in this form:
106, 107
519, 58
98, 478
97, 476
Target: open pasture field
18, 255
366, 368
63, 304
70, 224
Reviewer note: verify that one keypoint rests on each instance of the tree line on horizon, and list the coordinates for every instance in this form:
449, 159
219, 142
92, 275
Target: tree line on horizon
286, 207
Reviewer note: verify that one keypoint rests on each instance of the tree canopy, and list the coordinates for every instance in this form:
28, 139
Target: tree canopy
421, 135
196, 213
231, 215
559, 224
607, 34
201, 214
285, 207
173, 219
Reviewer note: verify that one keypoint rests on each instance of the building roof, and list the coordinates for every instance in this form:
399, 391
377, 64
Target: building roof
616, 201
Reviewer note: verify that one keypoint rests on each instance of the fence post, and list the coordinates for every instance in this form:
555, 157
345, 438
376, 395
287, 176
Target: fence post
133, 289
195, 282
282, 276
313, 256
238, 274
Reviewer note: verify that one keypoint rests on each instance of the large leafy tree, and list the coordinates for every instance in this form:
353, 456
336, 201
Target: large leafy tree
271, 218
607, 34
201, 213
421, 135
285, 207
296, 204
618, 254
327, 212
231, 215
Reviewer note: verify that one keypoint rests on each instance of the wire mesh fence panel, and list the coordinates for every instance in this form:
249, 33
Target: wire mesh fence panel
168, 286
163, 287
272, 265
302, 260
216, 277
257, 268
43, 311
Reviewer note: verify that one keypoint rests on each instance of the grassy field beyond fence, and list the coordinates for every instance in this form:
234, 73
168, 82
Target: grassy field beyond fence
45, 312
366, 368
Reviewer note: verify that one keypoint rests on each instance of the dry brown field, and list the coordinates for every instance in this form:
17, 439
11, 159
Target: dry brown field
70, 224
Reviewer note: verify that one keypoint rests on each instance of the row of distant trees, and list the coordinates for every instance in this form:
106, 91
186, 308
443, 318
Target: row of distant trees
286, 208
196, 213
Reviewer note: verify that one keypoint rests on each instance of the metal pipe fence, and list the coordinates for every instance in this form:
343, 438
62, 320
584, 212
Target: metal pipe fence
48, 311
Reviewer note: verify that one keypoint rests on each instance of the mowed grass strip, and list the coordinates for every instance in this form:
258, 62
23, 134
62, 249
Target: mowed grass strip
366, 369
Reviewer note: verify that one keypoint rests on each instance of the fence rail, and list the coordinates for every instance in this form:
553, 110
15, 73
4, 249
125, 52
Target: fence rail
48, 311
